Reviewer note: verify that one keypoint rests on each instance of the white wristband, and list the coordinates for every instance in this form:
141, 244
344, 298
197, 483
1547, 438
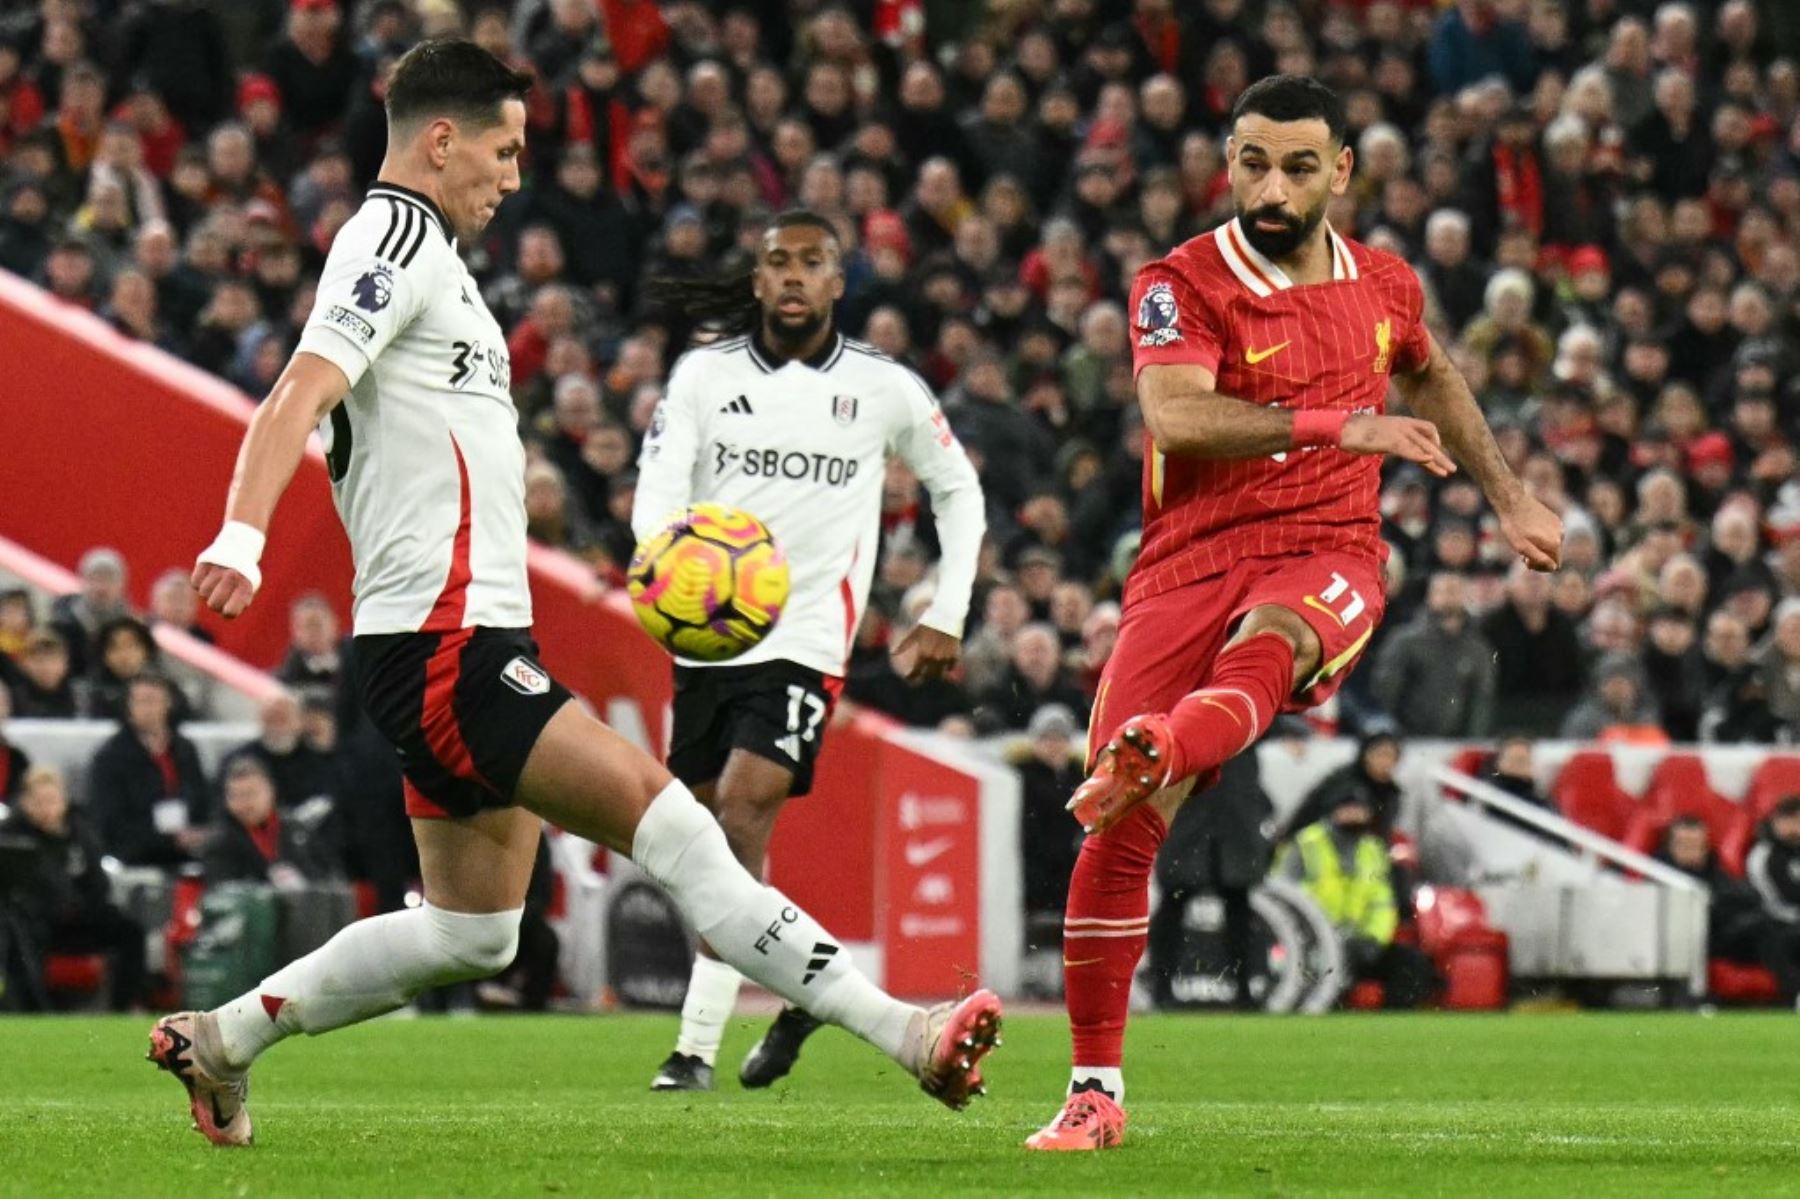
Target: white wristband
237, 547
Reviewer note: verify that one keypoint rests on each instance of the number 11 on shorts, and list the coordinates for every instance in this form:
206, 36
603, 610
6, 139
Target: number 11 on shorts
1328, 601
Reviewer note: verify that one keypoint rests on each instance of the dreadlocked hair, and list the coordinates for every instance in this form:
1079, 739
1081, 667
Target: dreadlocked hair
720, 303
723, 304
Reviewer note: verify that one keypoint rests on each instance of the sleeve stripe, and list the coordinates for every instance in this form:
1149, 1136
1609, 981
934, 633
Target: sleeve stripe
417, 241
406, 228
393, 227
864, 348
930, 395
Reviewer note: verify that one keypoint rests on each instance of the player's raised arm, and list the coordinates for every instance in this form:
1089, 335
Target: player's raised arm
1437, 392
368, 293
929, 447
1176, 350
666, 464
1187, 417
226, 574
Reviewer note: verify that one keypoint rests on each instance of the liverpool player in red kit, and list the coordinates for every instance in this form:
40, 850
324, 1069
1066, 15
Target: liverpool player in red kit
1264, 353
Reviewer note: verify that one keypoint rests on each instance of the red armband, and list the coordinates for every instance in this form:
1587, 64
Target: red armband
1318, 426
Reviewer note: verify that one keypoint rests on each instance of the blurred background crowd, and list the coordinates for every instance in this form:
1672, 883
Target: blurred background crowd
1602, 198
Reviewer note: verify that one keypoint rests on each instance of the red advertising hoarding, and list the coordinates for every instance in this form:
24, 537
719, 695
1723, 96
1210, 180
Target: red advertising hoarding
112, 442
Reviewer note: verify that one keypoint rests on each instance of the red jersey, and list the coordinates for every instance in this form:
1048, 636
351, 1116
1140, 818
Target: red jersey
1216, 303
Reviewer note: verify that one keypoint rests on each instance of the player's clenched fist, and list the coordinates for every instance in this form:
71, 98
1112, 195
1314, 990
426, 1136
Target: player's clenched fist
226, 575
1401, 436
222, 589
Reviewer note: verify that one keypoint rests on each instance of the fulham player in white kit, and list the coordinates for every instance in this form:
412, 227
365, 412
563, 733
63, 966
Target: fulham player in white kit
405, 372
794, 423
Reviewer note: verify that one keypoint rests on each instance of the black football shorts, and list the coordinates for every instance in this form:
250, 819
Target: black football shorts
464, 709
776, 710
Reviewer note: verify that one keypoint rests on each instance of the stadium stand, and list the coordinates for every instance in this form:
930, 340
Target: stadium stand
1679, 787
1587, 792
1606, 217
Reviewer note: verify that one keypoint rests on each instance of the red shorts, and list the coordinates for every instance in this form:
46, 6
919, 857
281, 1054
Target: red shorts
1167, 642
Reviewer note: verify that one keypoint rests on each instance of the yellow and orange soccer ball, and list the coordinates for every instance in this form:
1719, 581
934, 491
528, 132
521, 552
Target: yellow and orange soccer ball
710, 584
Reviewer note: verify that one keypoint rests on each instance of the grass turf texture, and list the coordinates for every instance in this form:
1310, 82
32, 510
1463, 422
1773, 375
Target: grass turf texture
1555, 1104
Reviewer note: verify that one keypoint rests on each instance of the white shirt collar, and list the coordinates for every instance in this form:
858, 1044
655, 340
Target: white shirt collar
1262, 276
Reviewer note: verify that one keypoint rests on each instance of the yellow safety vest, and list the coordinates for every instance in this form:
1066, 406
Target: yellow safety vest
1364, 901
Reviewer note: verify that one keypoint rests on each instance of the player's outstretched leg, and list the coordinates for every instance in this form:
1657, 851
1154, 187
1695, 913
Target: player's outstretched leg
587, 779
1244, 692
371, 967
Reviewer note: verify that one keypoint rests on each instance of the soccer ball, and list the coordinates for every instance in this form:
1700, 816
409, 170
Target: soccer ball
709, 585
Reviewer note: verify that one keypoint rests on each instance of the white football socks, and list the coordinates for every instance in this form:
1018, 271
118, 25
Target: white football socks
371, 967
711, 995
756, 929
1110, 1078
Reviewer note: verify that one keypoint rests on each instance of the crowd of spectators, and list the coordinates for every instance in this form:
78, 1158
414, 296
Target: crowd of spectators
1602, 199
312, 799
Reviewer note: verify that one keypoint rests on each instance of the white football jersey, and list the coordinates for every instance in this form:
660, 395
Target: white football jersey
803, 446
426, 464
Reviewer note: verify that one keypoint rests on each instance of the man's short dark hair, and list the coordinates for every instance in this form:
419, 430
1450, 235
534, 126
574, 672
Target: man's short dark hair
450, 77
1293, 98
804, 218
150, 678
245, 764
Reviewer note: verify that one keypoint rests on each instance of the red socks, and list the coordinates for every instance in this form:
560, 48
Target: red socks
1107, 922
1243, 695
1105, 928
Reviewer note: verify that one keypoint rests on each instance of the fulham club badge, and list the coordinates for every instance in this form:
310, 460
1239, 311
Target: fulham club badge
525, 678
843, 409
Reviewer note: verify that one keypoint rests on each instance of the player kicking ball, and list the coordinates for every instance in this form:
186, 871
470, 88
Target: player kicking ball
406, 372
786, 418
1264, 353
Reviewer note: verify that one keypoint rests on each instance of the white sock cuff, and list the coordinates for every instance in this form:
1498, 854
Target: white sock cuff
1110, 1078
486, 941
672, 827
665, 830
711, 998
710, 972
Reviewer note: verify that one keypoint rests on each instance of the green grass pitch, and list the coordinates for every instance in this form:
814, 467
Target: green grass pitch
1451, 1105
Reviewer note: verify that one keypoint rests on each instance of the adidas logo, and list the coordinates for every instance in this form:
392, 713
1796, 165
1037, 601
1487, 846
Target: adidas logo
741, 406
790, 745
823, 952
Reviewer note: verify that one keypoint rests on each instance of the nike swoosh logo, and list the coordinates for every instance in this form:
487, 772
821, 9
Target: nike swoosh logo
920, 852
1255, 356
1313, 601
1083, 961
